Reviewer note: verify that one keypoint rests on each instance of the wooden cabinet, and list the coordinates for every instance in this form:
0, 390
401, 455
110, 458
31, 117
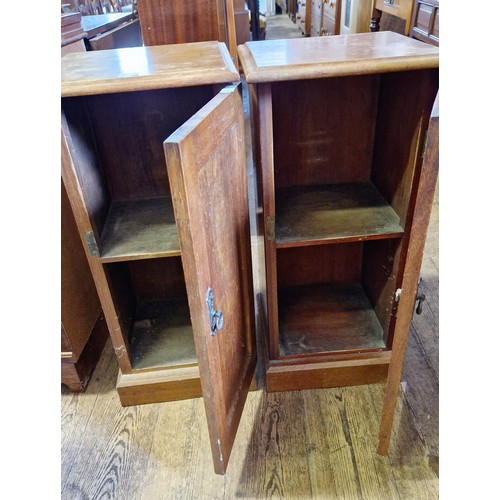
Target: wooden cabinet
401, 9
184, 21
425, 21
155, 168
83, 329
316, 17
345, 202
331, 18
112, 31
303, 17
241, 21
325, 17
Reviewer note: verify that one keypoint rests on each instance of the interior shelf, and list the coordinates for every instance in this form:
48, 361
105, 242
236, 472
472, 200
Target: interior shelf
140, 229
327, 318
162, 334
309, 215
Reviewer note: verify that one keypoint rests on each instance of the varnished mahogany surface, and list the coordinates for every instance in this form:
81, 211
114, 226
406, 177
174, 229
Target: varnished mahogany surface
206, 169
362, 53
146, 68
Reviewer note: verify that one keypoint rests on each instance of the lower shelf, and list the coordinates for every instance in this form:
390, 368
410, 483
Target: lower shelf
162, 334
327, 318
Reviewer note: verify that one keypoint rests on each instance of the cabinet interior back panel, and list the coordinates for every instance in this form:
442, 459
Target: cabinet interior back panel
323, 130
129, 130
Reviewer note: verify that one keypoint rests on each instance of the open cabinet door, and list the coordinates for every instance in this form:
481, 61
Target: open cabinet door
206, 164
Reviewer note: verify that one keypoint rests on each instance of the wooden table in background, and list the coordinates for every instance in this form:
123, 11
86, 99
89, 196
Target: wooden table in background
112, 31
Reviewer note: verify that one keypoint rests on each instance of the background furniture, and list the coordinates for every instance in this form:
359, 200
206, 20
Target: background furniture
355, 16
241, 21
182, 21
401, 9
112, 31
83, 329
345, 203
72, 33
303, 17
154, 164
425, 21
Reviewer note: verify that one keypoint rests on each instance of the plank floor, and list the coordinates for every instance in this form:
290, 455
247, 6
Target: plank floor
290, 445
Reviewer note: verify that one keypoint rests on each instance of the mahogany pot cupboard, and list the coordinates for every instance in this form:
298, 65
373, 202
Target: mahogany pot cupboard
154, 162
153, 159
345, 202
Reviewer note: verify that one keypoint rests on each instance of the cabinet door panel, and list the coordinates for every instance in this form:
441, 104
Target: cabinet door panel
206, 164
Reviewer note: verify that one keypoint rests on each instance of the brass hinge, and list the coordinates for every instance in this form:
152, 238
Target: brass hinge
91, 244
270, 228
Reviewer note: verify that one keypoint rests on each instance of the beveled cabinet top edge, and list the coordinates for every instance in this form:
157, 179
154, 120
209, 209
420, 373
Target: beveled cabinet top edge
321, 57
146, 68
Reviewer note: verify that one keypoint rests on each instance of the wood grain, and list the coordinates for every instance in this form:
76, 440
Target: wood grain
312, 265
309, 215
332, 141
159, 385
146, 68
327, 318
323, 57
206, 160
140, 229
177, 22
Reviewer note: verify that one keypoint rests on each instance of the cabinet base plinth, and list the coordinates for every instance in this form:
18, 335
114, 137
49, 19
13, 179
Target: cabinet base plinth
158, 387
327, 374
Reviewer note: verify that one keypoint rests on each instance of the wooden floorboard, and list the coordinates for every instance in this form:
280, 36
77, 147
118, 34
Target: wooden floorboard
292, 445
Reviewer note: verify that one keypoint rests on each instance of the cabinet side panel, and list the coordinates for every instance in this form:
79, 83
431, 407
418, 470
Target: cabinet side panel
323, 130
379, 276
405, 102
79, 134
73, 166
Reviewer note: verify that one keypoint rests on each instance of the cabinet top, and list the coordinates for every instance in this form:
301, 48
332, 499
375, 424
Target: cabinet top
146, 68
320, 57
